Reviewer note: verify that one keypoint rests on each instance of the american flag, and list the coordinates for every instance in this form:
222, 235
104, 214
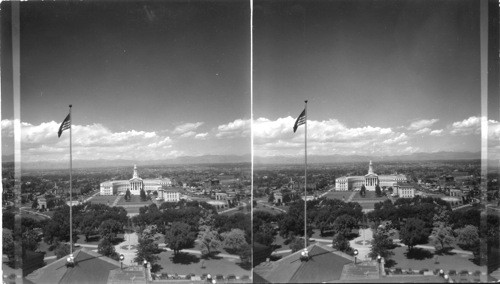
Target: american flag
300, 120
66, 124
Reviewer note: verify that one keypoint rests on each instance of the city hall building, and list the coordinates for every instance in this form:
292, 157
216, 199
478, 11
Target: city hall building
370, 181
135, 184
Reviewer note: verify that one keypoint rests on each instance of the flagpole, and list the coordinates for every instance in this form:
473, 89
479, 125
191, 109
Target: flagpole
70, 188
305, 180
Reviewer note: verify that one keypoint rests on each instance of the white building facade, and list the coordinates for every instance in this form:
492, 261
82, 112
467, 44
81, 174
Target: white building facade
370, 181
135, 184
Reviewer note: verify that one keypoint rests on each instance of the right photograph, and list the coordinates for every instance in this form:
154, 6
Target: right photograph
369, 159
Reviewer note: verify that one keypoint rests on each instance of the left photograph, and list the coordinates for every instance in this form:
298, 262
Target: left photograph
126, 151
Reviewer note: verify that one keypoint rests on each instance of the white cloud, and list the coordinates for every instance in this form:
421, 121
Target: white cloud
186, 127
471, 125
276, 137
423, 123
236, 129
423, 131
201, 136
40, 142
437, 132
188, 134
398, 139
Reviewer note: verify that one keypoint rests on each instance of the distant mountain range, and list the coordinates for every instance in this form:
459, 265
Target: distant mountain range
320, 159
234, 159
184, 160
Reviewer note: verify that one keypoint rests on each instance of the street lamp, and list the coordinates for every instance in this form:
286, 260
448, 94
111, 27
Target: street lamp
304, 255
355, 254
145, 263
70, 261
379, 259
122, 257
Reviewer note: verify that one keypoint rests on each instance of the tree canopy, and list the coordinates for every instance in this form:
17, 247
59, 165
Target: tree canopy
180, 236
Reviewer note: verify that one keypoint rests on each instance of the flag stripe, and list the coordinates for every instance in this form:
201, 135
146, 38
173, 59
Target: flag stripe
300, 120
66, 124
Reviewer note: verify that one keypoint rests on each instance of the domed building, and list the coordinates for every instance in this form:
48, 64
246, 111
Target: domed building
135, 184
370, 181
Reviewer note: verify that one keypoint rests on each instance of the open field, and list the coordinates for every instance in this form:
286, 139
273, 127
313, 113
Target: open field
186, 263
424, 259
370, 195
342, 195
103, 199
134, 200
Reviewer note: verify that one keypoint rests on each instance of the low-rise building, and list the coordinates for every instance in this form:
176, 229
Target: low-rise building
134, 185
370, 181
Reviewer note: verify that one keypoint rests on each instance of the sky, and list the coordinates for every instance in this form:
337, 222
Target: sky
147, 80
152, 80
381, 77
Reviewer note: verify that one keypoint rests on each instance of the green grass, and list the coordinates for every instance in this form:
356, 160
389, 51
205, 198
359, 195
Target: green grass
134, 200
370, 195
341, 195
260, 207
103, 199
425, 259
187, 263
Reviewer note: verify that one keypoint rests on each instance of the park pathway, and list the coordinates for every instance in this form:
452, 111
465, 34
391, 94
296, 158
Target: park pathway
93, 195
116, 201
349, 199
267, 205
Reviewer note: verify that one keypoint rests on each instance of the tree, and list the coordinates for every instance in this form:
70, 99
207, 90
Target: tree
362, 191
234, 239
442, 237
106, 248
344, 224
341, 243
296, 244
210, 240
264, 234
245, 253
271, 197
468, 237
30, 240
8, 220
179, 236
8, 246
127, 195
35, 204
382, 242
109, 228
378, 192
147, 248
413, 233
143, 195
62, 250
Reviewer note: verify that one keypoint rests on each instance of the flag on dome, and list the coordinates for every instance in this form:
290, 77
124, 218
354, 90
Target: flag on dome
300, 120
66, 124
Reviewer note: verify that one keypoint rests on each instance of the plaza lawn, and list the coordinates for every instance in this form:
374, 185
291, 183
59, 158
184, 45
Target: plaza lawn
424, 258
341, 195
134, 200
186, 263
370, 195
103, 199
